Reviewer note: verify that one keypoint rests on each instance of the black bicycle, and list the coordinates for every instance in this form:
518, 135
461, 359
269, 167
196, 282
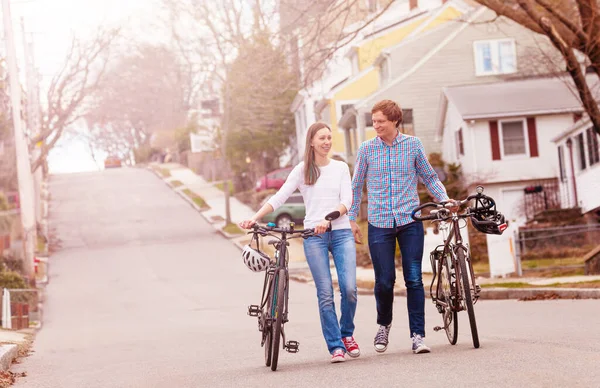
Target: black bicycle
453, 286
272, 312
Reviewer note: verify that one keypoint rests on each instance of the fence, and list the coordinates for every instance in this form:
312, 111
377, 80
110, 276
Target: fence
20, 308
564, 242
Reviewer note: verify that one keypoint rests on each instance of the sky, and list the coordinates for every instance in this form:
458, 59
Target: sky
51, 24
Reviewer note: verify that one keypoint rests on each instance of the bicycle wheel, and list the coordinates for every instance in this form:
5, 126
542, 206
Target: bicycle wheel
279, 290
268, 335
450, 315
468, 296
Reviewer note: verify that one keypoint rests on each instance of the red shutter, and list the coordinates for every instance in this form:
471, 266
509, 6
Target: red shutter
532, 132
495, 140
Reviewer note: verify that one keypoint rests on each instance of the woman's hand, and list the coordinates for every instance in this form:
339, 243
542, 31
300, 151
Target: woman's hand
247, 224
322, 227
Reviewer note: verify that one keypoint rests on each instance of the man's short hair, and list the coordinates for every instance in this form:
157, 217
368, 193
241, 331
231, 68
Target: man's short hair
390, 109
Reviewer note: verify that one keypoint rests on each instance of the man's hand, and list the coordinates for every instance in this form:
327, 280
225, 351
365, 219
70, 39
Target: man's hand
322, 227
453, 206
247, 224
356, 232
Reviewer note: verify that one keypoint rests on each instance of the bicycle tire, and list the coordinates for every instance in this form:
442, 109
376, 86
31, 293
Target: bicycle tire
268, 349
466, 284
450, 316
278, 316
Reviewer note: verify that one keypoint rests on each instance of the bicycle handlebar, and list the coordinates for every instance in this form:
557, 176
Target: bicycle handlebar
264, 230
442, 210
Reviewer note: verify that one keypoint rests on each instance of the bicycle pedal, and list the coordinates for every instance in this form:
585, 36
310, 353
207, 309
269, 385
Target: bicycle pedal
477, 288
437, 328
253, 310
292, 346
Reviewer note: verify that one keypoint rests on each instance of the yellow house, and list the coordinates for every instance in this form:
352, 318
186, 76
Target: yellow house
365, 78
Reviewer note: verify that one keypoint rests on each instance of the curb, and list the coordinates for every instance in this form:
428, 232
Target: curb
522, 294
8, 353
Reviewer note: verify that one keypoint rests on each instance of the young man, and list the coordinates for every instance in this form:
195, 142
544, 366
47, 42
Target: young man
391, 163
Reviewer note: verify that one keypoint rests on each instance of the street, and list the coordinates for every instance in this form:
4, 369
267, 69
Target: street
143, 292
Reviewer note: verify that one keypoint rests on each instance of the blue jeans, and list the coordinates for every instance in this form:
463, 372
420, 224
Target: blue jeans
382, 246
340, 243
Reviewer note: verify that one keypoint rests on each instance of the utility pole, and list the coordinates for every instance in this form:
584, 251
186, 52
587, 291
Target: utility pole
25, 179
224, 133
33, 119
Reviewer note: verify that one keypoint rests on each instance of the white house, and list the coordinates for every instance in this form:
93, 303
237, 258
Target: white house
578, 167
502, 136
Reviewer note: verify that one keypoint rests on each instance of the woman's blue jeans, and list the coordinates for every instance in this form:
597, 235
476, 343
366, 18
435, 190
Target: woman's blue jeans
340, 243
382, 246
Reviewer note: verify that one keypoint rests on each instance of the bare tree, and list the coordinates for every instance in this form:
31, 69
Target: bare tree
144, 93
80, 76
573, 27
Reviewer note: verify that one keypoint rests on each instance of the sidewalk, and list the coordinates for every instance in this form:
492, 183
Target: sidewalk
491, 288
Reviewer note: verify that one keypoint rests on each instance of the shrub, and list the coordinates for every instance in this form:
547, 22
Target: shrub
11, 279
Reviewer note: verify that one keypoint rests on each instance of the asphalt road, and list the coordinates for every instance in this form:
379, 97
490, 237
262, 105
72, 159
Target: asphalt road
144, 293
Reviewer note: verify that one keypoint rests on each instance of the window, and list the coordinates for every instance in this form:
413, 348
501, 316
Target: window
384, 72
372, 5
581, 151
561, 164
495, 57
513, 137
592, 142
460, 148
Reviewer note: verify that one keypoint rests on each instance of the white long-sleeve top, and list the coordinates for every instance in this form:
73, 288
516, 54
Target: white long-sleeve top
329, 191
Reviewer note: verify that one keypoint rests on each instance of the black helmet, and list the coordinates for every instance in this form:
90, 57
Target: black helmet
489, 221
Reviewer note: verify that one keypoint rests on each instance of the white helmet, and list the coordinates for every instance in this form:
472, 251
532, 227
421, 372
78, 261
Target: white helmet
255, 260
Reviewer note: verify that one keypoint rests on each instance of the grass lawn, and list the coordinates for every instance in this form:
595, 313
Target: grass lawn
232, 229
165, 172
590, 284
198, 200
176, 183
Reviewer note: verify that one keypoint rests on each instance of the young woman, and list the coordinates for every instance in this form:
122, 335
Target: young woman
325, 186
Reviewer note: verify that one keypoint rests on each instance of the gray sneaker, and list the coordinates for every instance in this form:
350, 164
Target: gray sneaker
381, 339
418, 345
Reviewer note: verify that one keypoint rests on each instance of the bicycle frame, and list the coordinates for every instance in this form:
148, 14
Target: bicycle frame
452, 243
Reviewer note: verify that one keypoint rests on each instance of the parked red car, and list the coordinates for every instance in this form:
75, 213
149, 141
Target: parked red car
274, 179
112, 162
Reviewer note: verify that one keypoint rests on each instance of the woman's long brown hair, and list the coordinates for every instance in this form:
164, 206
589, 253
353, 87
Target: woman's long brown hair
311, 170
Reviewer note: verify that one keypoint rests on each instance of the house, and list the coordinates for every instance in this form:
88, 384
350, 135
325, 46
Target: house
351, 75
578, 170
502, 135
474, 48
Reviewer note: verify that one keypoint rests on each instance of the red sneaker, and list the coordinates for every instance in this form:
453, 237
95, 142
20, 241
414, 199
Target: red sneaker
338, 356
351, 347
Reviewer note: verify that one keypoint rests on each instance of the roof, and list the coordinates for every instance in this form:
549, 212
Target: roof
583, 123
514, 98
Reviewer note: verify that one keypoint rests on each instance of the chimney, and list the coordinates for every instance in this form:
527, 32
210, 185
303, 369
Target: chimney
412, 4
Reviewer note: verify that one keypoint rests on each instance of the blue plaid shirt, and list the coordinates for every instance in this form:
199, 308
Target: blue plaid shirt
392, 173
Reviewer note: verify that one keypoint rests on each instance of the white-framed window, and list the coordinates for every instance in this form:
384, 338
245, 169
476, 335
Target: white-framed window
495, 57
513, 138
354, 62
372, 5
385, 71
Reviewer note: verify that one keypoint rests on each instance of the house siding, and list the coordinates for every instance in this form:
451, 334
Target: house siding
517, 168
454, 65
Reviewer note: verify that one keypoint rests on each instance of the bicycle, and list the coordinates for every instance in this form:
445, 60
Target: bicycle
272, 313
453, 275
